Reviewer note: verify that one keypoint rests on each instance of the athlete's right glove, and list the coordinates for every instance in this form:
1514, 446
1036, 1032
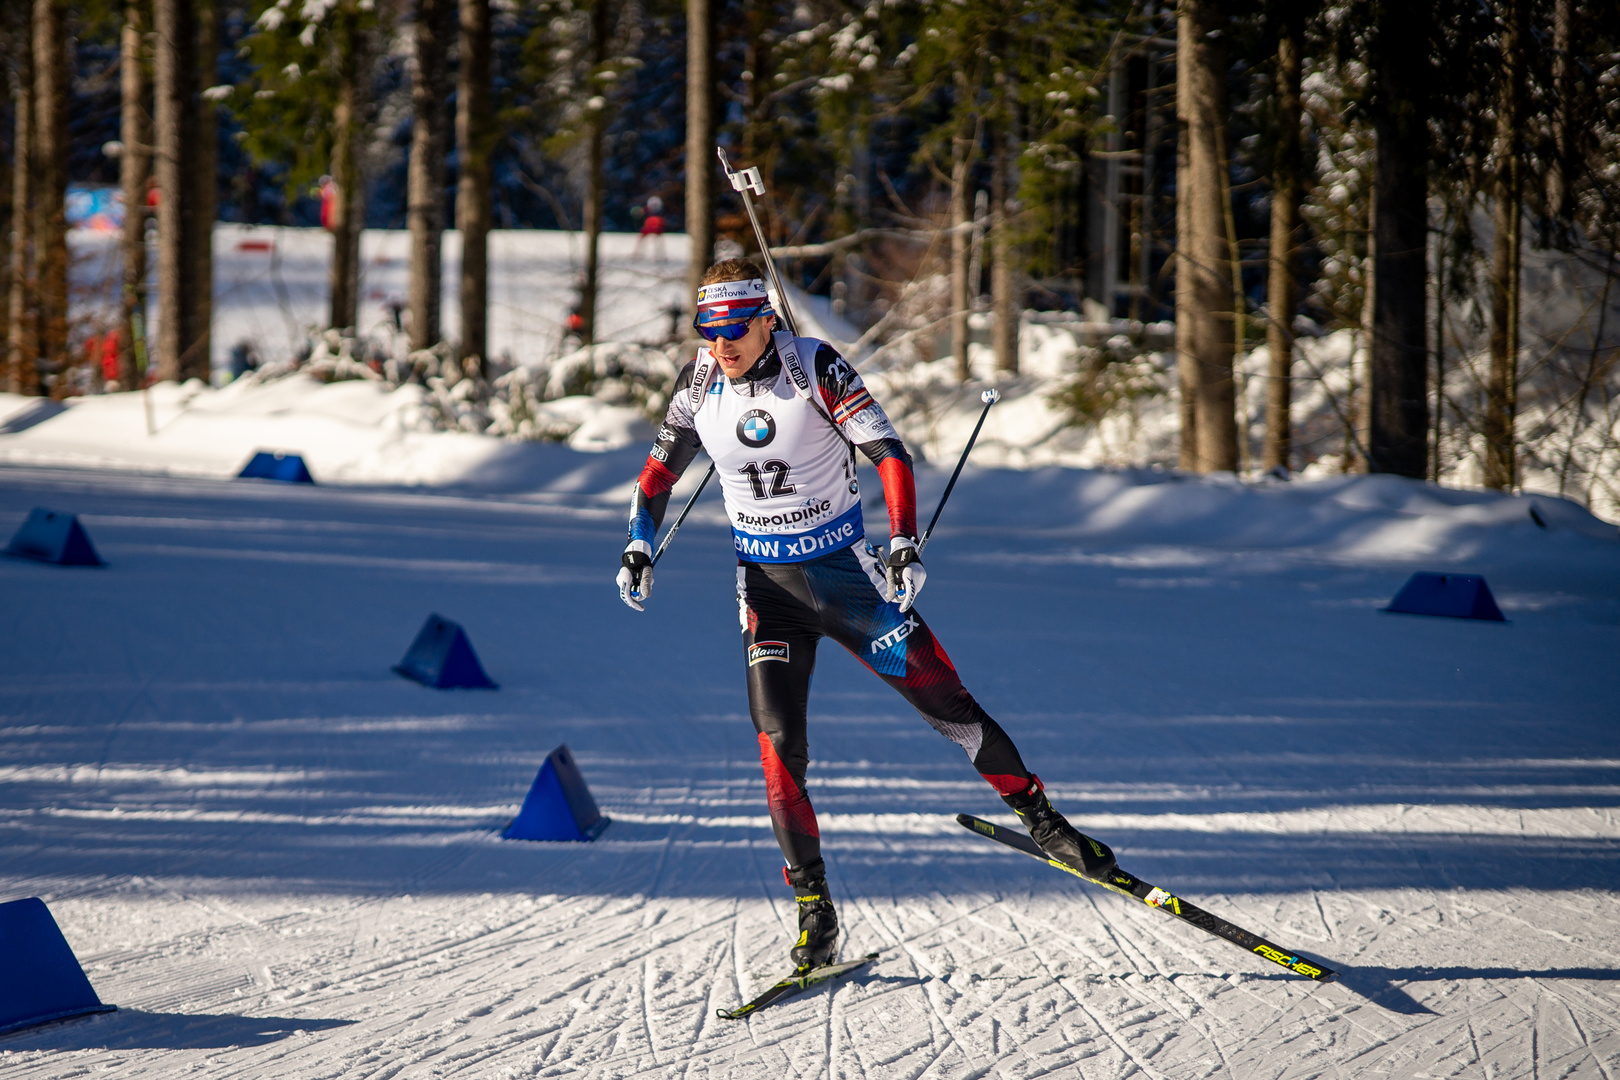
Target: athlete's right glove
906, 573
635, 576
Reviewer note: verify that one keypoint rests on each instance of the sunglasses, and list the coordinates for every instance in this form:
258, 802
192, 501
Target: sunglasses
730, 331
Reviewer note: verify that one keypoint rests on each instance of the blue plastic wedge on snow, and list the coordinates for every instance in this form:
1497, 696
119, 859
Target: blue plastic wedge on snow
54, 537
275, 465
40, 978
559, 805
1456, 596
443, 658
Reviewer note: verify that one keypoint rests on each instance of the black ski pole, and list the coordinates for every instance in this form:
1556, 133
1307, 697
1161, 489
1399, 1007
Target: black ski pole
687, 509
989, 397
746, 183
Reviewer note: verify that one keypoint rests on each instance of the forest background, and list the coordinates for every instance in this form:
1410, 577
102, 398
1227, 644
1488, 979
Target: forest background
1440, 182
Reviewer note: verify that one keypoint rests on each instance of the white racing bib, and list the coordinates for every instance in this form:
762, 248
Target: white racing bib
783, 467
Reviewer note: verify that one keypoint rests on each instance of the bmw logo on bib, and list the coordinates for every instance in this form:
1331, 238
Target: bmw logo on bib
756, 428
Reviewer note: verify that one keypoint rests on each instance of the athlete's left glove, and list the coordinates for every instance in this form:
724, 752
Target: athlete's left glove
906, 573
635, 576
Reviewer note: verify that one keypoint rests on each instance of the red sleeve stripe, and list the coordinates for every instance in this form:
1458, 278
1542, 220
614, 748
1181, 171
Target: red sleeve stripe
656, 479
851, 405
900, 492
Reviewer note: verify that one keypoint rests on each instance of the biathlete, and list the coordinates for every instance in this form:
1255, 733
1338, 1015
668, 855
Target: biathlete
781, 417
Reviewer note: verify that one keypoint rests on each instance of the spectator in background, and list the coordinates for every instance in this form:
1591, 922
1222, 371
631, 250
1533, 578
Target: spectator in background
329, 194
108, 358
652, 224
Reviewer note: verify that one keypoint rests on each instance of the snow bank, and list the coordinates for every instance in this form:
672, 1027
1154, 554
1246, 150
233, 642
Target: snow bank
362, 433
354, 432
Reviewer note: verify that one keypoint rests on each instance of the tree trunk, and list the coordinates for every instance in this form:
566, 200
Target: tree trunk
204, 200
50, 198
7, 72
1501, 392
699, 142
593, 234
473, 136
1438, 416
1397, 369
1562, 166
1003, 294
345, 217
601, 21
1282, 294
22, 343
961, 249
5, 239
425, 199
174, 77
1186, 366
1203, 279
134, 169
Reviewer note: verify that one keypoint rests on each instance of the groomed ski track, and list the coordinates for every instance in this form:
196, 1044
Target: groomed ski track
279, 860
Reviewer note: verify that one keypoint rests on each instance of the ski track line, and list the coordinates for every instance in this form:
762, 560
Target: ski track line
1580, 1029
1113, 1036
440, 951
1564, 938
1102, 1025
647, 1007
931, 987
706, 1015
1148, 994
905, 945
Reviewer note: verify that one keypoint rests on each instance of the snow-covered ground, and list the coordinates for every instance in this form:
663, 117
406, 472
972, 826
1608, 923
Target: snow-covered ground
280, 860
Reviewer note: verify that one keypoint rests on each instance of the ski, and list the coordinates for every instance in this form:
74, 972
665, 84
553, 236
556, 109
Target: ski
793, 984
1126, 884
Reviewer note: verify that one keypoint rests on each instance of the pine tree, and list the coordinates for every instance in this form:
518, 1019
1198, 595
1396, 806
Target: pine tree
1281, 290
1501, 459
174, 116
22, 345
596, 121
474, 136
700, 163
1397, 372
430, 37
135, 165
202, 169
308, 110
50, 196
1204, 292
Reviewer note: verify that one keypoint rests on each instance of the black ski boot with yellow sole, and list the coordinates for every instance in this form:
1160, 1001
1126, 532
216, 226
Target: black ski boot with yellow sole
817, 945
1060, 840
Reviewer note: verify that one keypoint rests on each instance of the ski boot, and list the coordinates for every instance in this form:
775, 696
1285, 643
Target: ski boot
818, 922
1056, 837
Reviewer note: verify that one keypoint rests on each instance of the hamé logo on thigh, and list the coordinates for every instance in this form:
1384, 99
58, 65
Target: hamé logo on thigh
767, 650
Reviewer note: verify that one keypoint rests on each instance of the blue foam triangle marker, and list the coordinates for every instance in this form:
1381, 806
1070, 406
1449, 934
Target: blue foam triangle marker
1456, 596
443, 658
54, 537
40, 978
275, 465
559, 805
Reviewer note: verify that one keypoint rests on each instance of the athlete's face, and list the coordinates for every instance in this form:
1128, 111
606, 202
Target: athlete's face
736, 357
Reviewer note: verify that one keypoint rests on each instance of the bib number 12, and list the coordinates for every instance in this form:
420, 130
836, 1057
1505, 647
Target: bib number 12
779, 475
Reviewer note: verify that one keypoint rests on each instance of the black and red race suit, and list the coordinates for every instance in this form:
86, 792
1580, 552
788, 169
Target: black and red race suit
804, 569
